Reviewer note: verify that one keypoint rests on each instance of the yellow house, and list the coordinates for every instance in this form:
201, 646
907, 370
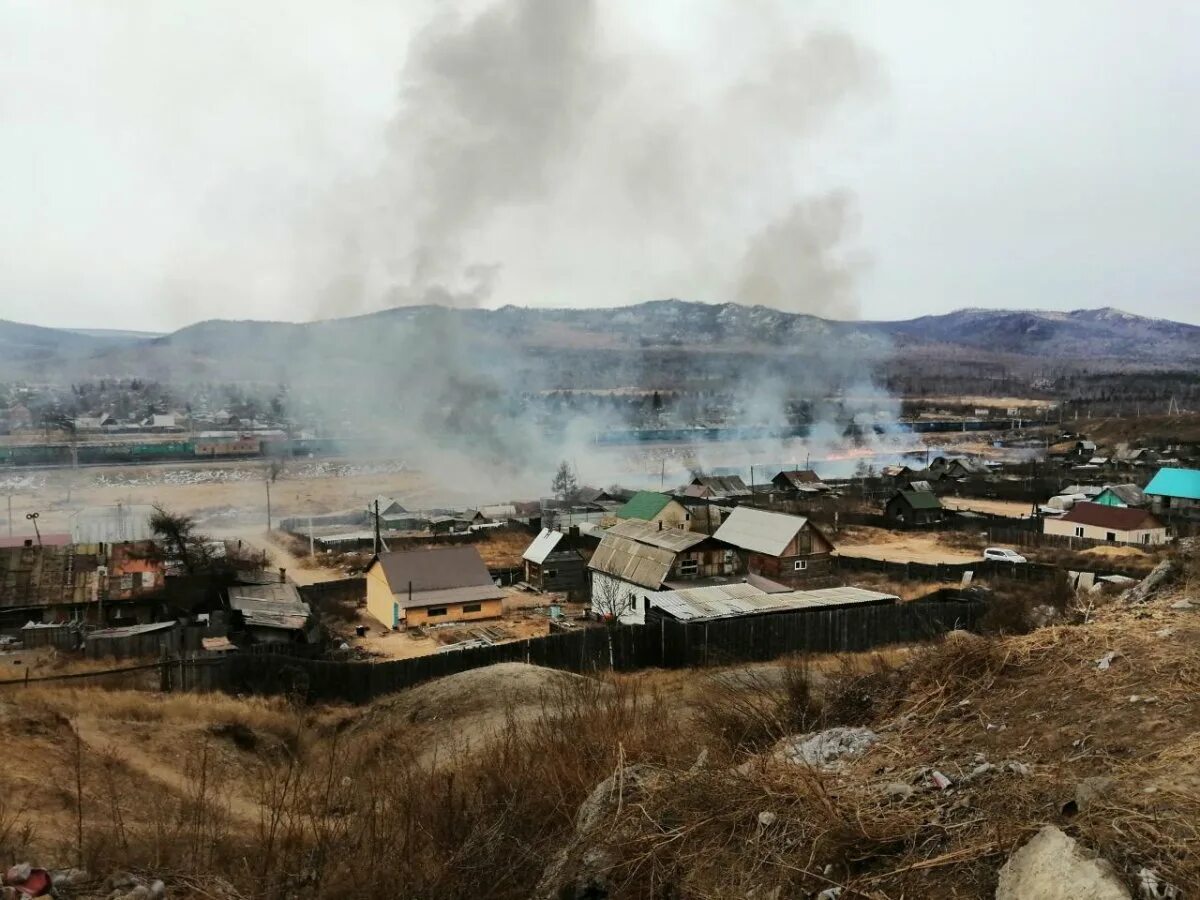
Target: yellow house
431, 586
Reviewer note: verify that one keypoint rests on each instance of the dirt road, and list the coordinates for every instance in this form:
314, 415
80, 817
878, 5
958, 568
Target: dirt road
922, 547
1010, 508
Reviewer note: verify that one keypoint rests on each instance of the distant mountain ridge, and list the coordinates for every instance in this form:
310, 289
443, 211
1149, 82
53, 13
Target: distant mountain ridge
256, 350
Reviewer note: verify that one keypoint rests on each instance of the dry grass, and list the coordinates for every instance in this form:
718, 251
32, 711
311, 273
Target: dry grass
285, 802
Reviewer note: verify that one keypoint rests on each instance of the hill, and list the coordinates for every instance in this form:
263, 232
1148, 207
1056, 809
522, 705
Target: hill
566, 348
513, 781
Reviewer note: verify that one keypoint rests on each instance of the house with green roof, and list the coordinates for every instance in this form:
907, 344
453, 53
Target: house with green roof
907, 509
651, 506
1175, 492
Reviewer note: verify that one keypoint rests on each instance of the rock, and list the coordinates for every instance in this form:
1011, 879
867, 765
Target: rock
158, 889
1017, 768
620, 787
1185, 603
18, 874
766, 818
898, 791
1151, 887
1092, 790
1050, 866
985, 768
826, 749
1106, 660
68, 877
832, 893
1146, 588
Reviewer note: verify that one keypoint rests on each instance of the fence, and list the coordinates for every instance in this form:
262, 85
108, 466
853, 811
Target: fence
983, 568
661, 644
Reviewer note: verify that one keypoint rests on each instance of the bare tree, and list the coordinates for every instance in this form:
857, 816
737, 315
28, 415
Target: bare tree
611, 598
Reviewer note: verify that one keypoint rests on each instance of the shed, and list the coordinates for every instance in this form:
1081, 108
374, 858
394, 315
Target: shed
1123, 495
273, 613
914, 508
135, 640
1175, 491
551, 565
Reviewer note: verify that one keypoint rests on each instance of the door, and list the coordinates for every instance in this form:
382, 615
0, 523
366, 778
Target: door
1111, 537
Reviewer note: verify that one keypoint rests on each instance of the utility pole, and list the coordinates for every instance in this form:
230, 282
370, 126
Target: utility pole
10, 515
376, 546
33, 517
268, 484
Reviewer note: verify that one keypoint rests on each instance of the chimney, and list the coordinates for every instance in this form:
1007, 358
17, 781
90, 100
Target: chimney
660, 524
573, 531
282, 575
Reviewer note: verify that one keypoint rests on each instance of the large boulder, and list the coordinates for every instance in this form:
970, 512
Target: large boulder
1051, 866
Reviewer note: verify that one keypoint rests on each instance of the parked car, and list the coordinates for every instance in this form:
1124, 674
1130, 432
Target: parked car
1000, 554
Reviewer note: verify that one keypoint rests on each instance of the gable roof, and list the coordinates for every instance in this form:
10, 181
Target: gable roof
436, 570
543, 545
673, 539
1129, 494
1183, 483
720, 485
920, 499
760, 531
643, 505
801, 480
729, 600
1118, 518
386, 505
270, 606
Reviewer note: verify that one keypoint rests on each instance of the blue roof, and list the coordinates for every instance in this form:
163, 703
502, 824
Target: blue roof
1176, 483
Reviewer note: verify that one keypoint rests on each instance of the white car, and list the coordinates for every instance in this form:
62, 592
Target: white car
1002, 555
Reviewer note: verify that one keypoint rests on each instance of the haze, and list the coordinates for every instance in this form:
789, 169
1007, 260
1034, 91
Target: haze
164, 163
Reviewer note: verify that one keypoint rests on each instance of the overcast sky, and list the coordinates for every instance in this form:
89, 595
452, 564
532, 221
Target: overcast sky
164, 162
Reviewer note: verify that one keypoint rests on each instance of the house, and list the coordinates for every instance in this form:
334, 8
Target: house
385, 506
1114, 524
1123, 495
551, 565
635, 554
907, 509
93, 584
786, 549
650, 506
799, 481
272, 614
1175, 492
716, 487
431, 586
160, 422
130, 641
1135, 456
602, 495
93, 423
945, 467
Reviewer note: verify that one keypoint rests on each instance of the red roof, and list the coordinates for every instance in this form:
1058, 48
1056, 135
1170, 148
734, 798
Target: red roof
1117, 518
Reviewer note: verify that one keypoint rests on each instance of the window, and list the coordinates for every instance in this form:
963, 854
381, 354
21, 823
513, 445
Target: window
472, 607
801, 565
1146, 538
549, 573
689, 567
1078, 531
435, 611
1110, 536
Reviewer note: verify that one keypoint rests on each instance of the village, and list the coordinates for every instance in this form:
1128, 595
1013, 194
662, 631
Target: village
391, 581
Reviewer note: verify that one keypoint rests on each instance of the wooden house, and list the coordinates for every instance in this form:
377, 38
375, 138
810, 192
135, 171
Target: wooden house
651, 506
786, 549
907, 509
552, 565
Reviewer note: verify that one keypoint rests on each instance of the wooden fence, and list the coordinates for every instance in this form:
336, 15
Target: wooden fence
983, 568
661, 644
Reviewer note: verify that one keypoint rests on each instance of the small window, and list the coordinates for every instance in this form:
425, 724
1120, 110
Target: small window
801, 565
1078, 531
435, 611
549, 573
472, 607
689, 567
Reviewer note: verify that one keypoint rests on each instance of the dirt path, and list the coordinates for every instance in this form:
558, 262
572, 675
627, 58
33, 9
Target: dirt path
92, 734
1009, 508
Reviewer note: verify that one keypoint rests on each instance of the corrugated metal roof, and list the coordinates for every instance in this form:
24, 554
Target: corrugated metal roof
1184, 483
270, 606
631, 561
760, 531
674, 539
130, 630
1118, 518
112, 524
724, 601
543, 545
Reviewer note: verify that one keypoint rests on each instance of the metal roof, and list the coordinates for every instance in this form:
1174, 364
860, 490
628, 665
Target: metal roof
112, 524
921, 499
760, 531
130, 630
437, 575
1127, 494
1118, 518
270, 606
543, 545
643, 505
637, 563
725, 601
674, 539
1183, 483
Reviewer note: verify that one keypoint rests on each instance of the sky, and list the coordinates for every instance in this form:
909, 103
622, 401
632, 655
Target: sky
164, 162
